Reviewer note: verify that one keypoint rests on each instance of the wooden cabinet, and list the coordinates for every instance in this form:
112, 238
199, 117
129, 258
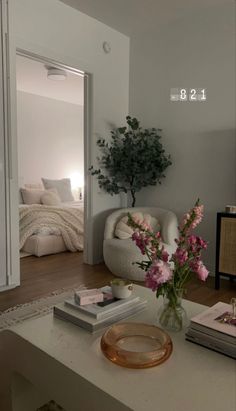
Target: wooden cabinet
225, 247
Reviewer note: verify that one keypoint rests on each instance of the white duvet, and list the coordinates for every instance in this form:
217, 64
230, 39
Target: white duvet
67, 221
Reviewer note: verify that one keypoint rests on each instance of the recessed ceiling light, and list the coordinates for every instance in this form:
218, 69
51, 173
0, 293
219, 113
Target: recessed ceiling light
56, 74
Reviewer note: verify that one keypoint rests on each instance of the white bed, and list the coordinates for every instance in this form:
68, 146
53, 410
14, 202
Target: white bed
48, 230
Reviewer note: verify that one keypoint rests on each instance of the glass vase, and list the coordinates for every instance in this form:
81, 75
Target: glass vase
172, 315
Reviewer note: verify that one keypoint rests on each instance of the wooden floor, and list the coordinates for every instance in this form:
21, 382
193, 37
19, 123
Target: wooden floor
41, 276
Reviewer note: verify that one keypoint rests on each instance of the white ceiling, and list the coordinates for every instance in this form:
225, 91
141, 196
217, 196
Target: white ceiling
31, 77
137, 17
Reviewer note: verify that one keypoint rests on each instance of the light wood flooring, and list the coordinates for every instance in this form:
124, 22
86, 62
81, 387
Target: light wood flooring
41, 276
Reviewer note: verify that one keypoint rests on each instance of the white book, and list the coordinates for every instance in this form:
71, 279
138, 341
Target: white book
91, 324
213, 321
96, 311
211, 332
211, 342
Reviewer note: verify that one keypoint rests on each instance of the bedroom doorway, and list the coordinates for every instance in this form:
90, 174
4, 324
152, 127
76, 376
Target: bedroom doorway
53, 158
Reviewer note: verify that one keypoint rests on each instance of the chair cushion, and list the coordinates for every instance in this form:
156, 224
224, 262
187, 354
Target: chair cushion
124, 231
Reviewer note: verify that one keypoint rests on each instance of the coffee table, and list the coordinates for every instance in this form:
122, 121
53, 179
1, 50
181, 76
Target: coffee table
58, 360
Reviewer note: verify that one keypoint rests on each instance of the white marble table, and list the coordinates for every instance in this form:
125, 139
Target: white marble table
63, 362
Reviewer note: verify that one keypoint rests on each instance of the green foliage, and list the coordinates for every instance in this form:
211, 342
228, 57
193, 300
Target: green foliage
133, 159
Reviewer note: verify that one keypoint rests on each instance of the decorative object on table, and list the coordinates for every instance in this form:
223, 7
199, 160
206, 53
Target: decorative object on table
215, 328
108, 307
84, 297
95, 318
167, 275
135, 158
121, 288
136, 345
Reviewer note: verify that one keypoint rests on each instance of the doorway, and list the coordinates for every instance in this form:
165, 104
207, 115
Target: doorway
52, 130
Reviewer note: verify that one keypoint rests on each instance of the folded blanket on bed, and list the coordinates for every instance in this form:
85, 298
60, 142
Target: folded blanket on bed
64, 221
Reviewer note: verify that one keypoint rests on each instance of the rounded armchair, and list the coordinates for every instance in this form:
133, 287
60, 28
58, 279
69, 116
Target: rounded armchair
119, 255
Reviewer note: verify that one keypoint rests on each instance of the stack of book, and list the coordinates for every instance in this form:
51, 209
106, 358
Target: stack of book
94, 317
215, 328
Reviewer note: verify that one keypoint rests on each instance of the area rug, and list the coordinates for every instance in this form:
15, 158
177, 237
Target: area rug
36, 308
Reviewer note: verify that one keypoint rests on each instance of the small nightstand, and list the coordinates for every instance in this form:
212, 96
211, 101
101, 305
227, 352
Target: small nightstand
225, 247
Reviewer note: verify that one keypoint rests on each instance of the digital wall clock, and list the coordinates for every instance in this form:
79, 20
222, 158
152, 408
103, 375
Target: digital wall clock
188, 94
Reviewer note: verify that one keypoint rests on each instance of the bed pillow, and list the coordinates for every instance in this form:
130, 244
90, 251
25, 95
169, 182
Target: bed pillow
34, 186
124, 231
34, 196
31, 196
62, 186
50, 198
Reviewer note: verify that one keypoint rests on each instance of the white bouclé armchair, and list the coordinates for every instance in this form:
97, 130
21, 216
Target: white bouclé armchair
119, 255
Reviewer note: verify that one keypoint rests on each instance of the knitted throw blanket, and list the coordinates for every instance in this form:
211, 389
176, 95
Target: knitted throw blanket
41, 219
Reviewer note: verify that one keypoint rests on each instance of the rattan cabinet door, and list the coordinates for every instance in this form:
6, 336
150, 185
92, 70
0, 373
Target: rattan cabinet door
227, 258
225, 247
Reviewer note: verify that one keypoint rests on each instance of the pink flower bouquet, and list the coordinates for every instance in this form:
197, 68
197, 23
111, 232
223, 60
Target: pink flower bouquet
165, 274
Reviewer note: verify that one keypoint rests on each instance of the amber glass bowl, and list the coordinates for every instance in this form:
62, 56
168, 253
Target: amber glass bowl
136, 345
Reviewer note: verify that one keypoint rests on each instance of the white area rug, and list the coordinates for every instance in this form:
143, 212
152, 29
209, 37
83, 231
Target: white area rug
34, 309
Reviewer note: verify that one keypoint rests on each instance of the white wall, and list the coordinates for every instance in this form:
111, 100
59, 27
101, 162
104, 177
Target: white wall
50, 138
56, 31
196, 50
185, 43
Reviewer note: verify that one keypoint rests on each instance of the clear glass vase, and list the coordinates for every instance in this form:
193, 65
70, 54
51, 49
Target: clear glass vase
172, 315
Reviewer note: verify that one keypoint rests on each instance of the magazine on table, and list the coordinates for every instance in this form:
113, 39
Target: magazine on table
64, 311
100, 310
212, 342
216, 320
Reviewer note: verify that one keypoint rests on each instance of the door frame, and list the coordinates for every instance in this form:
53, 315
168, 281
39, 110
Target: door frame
4, 134
88, 244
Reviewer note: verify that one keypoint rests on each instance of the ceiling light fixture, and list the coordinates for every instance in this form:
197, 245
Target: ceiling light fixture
56, 74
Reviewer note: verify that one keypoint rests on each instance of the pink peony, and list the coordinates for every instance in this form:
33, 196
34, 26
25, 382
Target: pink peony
162, 276
158, 273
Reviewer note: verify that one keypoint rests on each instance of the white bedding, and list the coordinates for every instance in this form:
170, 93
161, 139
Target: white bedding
65, 220
74, 204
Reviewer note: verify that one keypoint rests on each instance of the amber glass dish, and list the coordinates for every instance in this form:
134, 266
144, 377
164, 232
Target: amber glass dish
136, 345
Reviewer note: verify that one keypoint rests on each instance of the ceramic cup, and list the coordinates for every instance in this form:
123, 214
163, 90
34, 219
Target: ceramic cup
121, 288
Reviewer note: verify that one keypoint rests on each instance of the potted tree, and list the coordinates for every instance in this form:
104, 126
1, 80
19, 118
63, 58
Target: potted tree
133, 159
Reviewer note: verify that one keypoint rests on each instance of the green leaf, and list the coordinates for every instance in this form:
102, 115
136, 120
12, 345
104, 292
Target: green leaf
122, 130
133, 159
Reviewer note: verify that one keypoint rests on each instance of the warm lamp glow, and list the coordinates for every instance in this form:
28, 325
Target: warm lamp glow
77, 180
